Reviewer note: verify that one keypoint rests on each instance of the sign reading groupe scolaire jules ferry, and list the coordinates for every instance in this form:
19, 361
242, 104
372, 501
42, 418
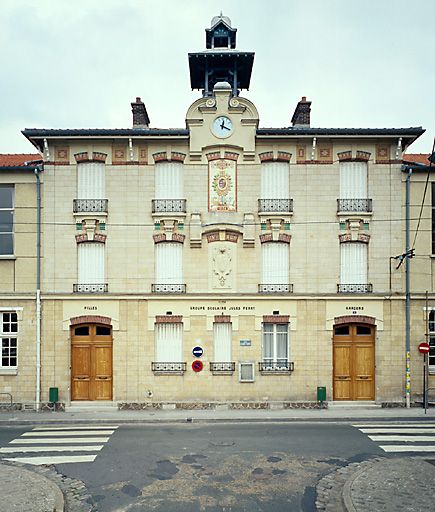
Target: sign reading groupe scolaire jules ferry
222, 308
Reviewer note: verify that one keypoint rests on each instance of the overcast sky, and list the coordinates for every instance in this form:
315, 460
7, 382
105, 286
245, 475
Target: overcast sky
80, 63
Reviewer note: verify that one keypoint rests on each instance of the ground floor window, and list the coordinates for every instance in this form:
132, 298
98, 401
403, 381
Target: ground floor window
8, 339
169, 348
275, 346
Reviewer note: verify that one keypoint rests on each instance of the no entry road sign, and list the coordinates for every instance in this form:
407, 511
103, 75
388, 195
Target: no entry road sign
424, 348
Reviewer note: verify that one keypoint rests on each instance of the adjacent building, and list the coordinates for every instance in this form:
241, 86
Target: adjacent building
221, 262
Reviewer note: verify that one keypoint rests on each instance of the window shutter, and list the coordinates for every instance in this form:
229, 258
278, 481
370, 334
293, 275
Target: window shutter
353, 180
169, 343
222, 342
91, 263
169, 263
275, 263
91, 180
275, 180
169, 180
353, 263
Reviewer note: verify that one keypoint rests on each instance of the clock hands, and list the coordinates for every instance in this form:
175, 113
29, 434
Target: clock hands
223, 125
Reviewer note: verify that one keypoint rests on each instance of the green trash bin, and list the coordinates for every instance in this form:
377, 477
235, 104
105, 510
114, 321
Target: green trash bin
53, 395
321, 394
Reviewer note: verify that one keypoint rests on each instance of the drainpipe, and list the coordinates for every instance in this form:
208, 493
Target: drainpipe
408, 295
37, 170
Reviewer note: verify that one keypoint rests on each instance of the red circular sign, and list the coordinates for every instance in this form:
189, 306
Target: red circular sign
424, 348
197, 366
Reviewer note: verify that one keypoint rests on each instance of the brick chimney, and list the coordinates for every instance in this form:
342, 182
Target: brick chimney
301, 116
140, 114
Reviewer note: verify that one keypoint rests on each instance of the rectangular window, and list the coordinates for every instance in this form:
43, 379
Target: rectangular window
275, 345
222, 342
169, 180
353, 180
353, 263
433, 218
275, 180
91, 268
275, 263
169, 342
169, 263
6, 220
91, 177
8, 339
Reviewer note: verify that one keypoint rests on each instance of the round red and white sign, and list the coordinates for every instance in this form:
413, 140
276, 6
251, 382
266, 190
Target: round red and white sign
424, 348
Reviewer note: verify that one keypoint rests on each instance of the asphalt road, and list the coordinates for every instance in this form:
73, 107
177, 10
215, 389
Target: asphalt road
215, 467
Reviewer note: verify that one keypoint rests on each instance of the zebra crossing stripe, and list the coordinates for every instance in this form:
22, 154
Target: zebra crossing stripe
77, 427
400, 425
63, 448
397, 430
53, 459
49, 440
404, 448
67, 433
409, 439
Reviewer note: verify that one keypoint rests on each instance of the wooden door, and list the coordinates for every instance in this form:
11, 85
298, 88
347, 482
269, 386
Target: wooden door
354, 362
91, 362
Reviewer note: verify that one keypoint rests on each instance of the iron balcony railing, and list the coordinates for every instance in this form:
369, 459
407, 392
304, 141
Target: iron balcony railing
278, 366
275, 205
275, 288
169, 205
168, 367
91, 288
90, 205
354, 288
168, 288
354, 205
226, 367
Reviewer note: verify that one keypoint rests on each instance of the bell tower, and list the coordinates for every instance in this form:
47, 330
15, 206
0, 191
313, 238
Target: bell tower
220, 62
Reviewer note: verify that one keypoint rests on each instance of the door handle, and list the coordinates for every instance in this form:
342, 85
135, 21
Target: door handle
81, 378
342, 377
363, 377
102, 378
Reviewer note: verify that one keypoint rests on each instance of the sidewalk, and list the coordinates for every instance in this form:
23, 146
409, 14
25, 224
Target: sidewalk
332, 414
382, 484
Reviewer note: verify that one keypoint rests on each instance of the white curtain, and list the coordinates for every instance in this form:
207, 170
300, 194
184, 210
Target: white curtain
353, 180
169, 343
353, 263
275, 342
222, 342
91, 263
275, 263
91, 180
169, 263
275, 180
169, 180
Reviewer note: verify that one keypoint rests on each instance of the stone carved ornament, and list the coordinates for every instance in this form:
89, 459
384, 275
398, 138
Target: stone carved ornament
222, 263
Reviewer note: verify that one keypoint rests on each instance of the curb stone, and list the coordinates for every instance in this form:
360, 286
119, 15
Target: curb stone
333, 495
75, 496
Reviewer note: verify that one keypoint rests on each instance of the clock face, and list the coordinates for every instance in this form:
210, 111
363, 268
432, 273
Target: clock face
222, 127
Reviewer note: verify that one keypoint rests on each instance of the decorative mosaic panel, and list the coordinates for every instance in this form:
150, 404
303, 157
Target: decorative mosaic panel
222, 195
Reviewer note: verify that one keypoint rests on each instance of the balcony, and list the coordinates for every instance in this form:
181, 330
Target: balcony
275, 206
168, 288
354, 205
91, 288
169, 368
226, 368
354, 288
276, 367
275, 288
169, 206
90, 205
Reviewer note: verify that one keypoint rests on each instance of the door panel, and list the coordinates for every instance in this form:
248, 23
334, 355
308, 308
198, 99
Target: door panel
342, 371
91, 363
81, 371
354, 362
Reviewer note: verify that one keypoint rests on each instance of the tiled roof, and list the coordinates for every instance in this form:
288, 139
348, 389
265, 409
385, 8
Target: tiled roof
18, 160
417, 158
